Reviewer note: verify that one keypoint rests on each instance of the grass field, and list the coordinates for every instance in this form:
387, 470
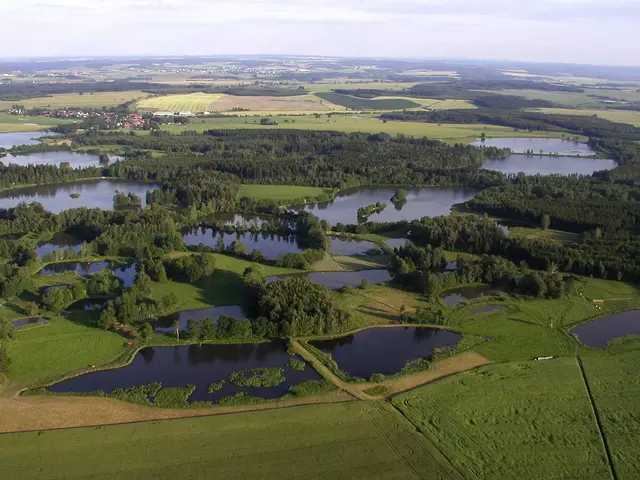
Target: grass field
616, 393
190, 102
621, 116
337, 441
525, 420
434, 104
280, 192
93, 100
22, 123
356, 103
586, 99
452, 133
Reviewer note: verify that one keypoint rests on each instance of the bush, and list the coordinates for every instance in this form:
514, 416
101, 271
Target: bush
296, 364
377, 378
241, 398
215, 386
173, 397
258, 377
312, 388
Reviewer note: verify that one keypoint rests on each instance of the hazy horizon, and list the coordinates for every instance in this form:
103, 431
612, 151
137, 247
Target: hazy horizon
540, 31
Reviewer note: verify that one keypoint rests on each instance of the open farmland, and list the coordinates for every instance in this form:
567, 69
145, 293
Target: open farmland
631, 117
347, 440
432, 103
90, 100
22, 123
356, 103
190, 102
525, 420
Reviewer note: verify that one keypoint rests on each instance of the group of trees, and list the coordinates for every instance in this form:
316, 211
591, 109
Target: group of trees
190, 268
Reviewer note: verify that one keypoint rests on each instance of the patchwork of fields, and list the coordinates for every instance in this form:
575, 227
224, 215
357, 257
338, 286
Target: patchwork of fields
91, 100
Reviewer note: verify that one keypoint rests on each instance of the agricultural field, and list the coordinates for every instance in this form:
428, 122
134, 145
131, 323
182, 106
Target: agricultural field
347, 440
280, 192
344, 84
525, 420
433, 104
356, 103
23, 123
631, 117
453, 133
90, 100
586, 99
262, 105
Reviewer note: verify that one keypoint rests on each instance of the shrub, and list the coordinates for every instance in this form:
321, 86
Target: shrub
258, 377
312, 388
215, 386
296, 364
173, 397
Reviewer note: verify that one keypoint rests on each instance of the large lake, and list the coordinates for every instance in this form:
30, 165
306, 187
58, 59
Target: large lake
548, 165
421, 202
554, 146
195, 365
385, 350
93, 194
597, 333
75, 159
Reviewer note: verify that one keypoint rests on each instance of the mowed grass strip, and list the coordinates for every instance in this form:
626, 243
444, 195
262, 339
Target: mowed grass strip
524, 420
280, 192
616, 392
333, 441
357, 103
92, 100
189, 102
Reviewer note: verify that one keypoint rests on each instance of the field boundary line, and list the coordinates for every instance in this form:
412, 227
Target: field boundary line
596, 415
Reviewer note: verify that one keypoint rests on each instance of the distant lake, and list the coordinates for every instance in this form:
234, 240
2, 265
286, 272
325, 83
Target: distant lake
421, 202
12, 139
597, 333
75, 159
198, 365
93, 194
384, 350
555, 146
548, 165
270, 245
337, 280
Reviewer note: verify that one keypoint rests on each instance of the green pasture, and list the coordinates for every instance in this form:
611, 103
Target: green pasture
631, 117
338, 441
91, 100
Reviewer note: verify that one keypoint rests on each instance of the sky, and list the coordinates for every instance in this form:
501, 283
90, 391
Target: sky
569, 31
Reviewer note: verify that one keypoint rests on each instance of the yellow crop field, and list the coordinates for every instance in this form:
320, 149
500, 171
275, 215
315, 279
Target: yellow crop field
190, 102
432, 103
89, 100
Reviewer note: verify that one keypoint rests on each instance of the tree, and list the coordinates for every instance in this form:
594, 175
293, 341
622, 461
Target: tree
146, 332
209, 329
108, 318
545, 222
31, 309
194, 330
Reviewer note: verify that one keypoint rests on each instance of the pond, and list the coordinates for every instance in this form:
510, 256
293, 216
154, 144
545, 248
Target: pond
196, 365
126, 273
165, 324
597, 333
550, 146
59, 241
385, 350
75, 159
546, 165
271, 246
11, 139
246, 220
337, 280
465, 294
421, 202
28, 322
93, 194
350, 246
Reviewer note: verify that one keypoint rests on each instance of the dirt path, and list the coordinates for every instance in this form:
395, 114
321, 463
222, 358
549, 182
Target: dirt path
21, 414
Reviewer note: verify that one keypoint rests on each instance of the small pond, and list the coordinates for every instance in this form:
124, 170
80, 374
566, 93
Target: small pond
75, 159
547, 165
28, 322
465, 294
198, 365
59, 241
385, 350
12, 139
165, 324
337, 280
421, 202
549, 146
93, 194
350, 246
271, 246
126, 273
597, 333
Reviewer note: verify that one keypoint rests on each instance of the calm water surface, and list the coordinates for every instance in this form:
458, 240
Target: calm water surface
546, 165
465, 294
8, 140
597, 333
337, 280
271, 246
195, 365
93, 194
556, 146
75, 159
126, 273
421, 202
350, 246
59, 241
385, 350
